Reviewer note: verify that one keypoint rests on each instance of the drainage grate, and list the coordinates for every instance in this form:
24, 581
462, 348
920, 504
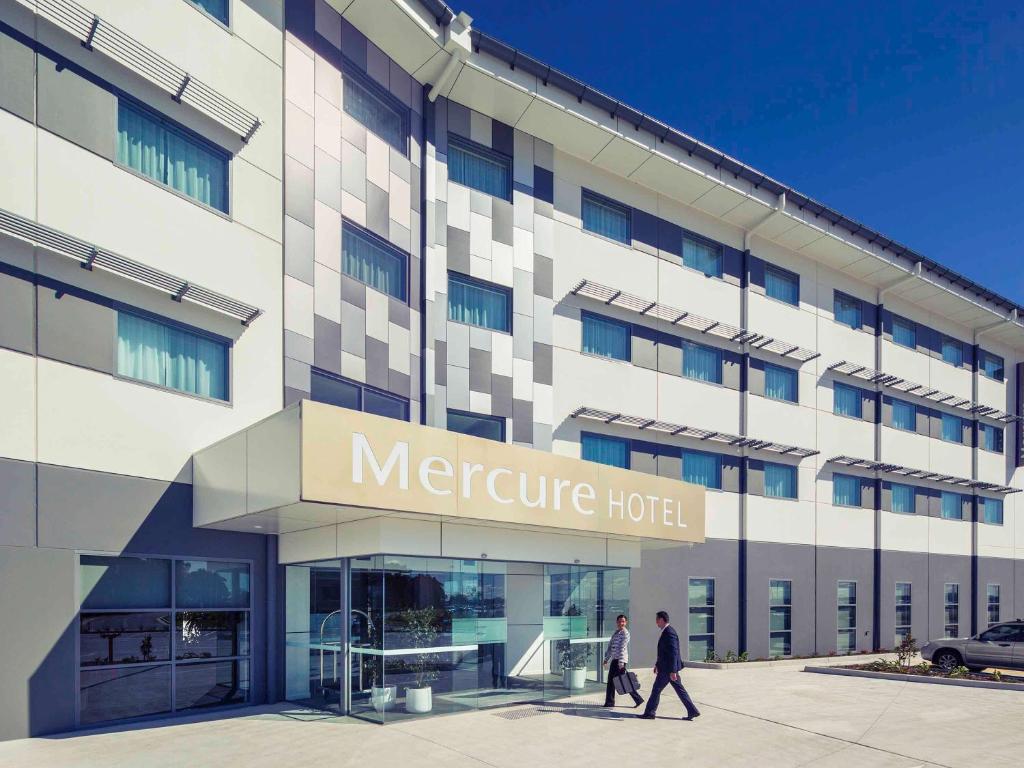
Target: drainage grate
524, 712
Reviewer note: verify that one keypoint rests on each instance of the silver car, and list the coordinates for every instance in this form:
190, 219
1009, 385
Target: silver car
1001, 645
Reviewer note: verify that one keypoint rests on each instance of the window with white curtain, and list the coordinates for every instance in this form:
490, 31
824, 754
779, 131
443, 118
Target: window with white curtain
991, 366
477, 167
169, 356
952, 351
613, 451
782, 284
846, 401
951, 506
779, 480
904, 415
991, 510
370, 260
377, 110
848, 310
703, 256
702, 468
166, 153
702, 363
475, 302
606, 218
846, 490
952, 428
904, 498
904, 332
605, 337
990, 437
780, 383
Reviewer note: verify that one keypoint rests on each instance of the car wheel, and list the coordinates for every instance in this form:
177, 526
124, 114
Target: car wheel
947, 659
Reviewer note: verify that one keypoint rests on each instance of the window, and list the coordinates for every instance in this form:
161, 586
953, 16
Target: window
990, 437
475, 302
370, 260
487, 427
479, 168
904, 332
951, 506
169, 356
702, 468
904, 611
904, 415
780, 383
992, 603
605, 217
216, 8
701, 619
165, 153
952, 610
904, 498
952, 428
702, 363
846, 491
780, 618
952, 351
607, 338
782, 284
376, 109
334, 390
846, 620
847, 401
991, 366
140, 638
703, 256
613, 451
991, 510
848, 310
779, 480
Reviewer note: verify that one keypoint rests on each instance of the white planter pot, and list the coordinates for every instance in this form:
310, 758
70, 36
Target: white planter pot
383, 699
574, 679
418, 700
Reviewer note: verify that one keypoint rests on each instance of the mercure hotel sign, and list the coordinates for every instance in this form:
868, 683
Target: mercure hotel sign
357, 459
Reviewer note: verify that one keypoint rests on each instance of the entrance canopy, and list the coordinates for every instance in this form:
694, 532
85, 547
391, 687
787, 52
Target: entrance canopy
313, 465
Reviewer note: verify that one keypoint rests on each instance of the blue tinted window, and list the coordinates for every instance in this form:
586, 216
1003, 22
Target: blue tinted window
952, 428
604, 337
904, 415
334, 390
992, 510
488, 427
904, 332
702, 363
782, 285
992, 366
603, 217
159, 150
171, 357
479, 168
846, 401
780, 383
952, 351
613, 451
848, 310
702, 468
904, 498
952, 506
376, 110
779, 480
216, 8
372, 261
702, 256
477, 303
991, 437
845, 491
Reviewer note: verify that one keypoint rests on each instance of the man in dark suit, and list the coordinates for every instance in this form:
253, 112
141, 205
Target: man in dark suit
666, 671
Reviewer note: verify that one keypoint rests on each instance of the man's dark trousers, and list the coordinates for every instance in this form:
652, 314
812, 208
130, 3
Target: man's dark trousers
660, 682
614, 670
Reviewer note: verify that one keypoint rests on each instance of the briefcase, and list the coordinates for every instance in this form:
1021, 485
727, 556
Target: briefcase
626, 682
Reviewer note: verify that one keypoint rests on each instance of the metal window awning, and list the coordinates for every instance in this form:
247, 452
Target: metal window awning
616, 298
889, 381
680, 430
921, 474
96, 34
90, 256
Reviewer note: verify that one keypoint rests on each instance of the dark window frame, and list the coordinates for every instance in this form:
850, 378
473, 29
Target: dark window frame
474, 147
501, 421
362, 389
351, 71
795, 373
584, 314
983, 355
838, 296
702, 240
943, 338
376, 239
625, 440
901, 319
787, 274
607, 202
470, 280
225, 22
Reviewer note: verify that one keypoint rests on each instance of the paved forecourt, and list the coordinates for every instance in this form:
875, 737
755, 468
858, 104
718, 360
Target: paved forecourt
768, 717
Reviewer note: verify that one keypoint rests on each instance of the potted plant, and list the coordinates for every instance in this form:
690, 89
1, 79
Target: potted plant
381, 697
573, 659
420, 628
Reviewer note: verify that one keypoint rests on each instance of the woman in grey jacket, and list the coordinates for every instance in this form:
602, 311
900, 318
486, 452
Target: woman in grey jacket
616, 658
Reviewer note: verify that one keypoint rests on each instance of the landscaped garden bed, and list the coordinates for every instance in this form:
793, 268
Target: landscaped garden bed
924, 669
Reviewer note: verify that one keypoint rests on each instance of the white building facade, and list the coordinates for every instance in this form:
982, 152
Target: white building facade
372, 205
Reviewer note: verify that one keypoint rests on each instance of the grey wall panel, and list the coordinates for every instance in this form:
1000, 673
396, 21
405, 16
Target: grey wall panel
670, 356
887, 410
923, 425
17, 311
766, 561
644, 347
921, 502
76, 329
909, 567
755, 376
732, 369
886, 501
17, 503
17, 86
833, 565
731, 475
867, 493
661, 583
868, 405
994, 570
755, 477
670, 465
642, 460
76, 108
943, 569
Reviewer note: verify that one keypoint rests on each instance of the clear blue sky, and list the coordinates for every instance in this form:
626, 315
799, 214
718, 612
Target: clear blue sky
905, 115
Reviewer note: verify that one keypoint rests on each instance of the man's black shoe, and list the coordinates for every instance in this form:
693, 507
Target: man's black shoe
646, 716
692, 717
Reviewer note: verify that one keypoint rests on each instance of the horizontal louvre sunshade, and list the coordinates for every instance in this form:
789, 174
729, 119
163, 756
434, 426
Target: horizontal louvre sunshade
97, 34
680, 430
90, 256
920, 474
617, 298
889, 381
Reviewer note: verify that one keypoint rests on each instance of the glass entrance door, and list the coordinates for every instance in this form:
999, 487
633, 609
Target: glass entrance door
314, 638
